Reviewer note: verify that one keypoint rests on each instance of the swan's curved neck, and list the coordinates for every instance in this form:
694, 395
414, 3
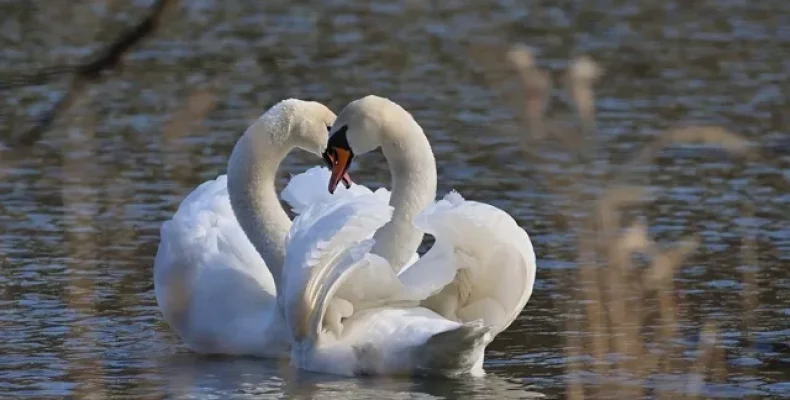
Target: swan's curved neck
413, 170
252, 170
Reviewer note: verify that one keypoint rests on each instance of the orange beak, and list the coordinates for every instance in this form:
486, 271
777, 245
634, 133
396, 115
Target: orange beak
339, 169
340, 161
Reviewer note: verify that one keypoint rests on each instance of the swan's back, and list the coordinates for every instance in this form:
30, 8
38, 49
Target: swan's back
213, 288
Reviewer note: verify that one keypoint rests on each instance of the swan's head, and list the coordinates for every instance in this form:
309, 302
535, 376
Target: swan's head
364, 125
298, 123
309, 123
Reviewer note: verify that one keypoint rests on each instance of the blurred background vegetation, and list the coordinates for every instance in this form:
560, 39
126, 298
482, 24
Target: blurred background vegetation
642, 144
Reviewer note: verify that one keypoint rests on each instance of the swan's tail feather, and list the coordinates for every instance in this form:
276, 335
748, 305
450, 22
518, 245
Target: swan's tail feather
453, 352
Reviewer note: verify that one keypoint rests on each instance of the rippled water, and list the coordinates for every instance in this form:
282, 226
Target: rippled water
80, 211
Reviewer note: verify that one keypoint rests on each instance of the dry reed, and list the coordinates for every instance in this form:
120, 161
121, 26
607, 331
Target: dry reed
81, 245
618, 293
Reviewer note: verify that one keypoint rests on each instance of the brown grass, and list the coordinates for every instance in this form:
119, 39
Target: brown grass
81, 245
617, 293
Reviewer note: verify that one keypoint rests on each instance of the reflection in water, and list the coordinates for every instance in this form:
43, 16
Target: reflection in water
191, 375
80, 212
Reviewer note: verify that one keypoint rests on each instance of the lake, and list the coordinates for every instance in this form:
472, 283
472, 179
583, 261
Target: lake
80, 209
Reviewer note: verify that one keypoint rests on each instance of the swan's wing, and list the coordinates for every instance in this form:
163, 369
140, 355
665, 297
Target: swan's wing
310, 187
331, 278
327, 241
204, 256
482, 265
204, 232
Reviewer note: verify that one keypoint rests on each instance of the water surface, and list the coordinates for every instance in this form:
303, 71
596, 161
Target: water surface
80, 211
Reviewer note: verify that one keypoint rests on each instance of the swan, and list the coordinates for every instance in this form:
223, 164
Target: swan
356, 301
211, 279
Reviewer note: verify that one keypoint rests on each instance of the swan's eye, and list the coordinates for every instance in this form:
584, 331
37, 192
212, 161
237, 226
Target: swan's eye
329, 128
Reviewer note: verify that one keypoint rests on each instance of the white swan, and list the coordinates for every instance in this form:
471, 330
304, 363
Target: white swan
213, 288
351, 306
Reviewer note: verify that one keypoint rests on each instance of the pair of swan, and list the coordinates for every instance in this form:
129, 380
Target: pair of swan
344, 291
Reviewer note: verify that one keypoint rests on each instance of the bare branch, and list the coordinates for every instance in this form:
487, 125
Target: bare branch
110, 57
89, 72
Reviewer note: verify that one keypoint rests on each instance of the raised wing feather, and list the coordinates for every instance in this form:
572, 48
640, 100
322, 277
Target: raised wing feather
310, 187
481, 267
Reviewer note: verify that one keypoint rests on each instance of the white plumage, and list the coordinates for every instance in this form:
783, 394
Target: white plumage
354, 307
211, 282
344, 291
